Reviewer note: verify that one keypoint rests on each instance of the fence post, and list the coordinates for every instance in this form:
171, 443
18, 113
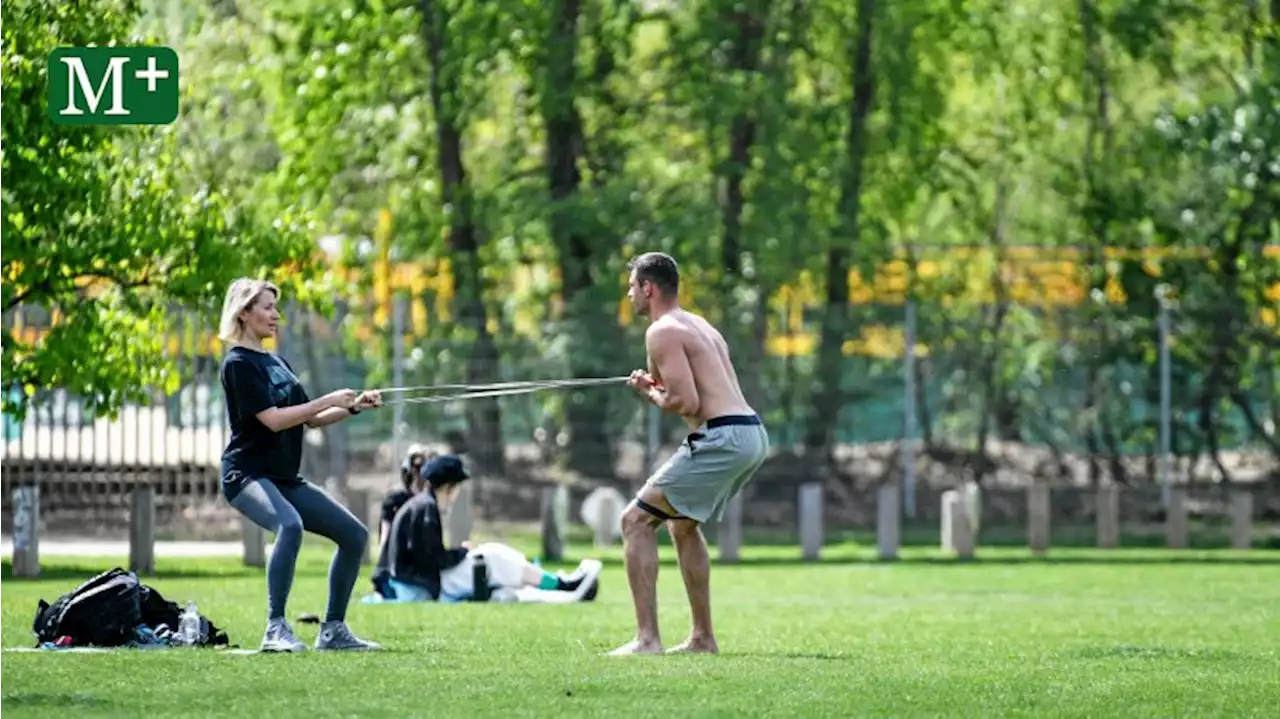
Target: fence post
1241, 511
1107, 515
358, 503
1176, 530
957, 535
555, 522
810, 516
888, 520
142, 530
1039, 508
26, 530
255, 540
605, 526
729, 538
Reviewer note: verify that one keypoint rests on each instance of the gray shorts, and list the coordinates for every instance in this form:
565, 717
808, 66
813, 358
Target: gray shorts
712, 465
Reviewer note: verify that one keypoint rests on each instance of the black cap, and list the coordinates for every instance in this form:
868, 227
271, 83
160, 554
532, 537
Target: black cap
445, 470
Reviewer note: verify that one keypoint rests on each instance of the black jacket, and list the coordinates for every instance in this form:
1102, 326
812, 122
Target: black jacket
416, 551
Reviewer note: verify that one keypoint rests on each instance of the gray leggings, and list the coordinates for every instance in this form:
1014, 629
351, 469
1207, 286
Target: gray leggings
288, 510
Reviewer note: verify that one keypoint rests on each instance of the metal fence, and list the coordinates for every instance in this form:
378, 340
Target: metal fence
1001, 394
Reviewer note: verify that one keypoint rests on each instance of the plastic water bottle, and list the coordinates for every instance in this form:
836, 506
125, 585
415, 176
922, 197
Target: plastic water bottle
189, 626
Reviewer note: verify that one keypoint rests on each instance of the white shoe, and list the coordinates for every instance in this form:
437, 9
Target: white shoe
279, 637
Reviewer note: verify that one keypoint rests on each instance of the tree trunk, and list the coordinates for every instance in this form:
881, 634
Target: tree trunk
484, 416
748, 21
744, 58
1098, 420
588, 310
1271, 52
827, 396
990, 381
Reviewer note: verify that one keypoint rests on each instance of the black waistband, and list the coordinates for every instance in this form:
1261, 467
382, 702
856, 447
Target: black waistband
729, 420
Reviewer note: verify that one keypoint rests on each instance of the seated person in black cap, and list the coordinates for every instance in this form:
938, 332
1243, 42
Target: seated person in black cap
413, 483
423, 569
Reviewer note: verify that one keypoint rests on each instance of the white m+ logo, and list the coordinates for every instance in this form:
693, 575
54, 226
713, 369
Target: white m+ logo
77, 77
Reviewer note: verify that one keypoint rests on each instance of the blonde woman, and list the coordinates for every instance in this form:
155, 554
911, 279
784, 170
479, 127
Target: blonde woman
268, 410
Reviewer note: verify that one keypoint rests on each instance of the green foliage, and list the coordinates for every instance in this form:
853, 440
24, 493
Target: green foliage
105, 229
590, 130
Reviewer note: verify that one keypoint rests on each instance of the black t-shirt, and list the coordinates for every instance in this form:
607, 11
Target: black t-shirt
253, 381
392, 503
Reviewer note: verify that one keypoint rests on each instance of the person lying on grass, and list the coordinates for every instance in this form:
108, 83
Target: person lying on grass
423, 569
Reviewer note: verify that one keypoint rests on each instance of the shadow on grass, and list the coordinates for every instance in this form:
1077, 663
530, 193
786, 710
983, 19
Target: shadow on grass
1100, 560
59, 700
1011, 538
939, 561
79, 572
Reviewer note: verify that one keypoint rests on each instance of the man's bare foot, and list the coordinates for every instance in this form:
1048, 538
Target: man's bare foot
636, 646
695, 646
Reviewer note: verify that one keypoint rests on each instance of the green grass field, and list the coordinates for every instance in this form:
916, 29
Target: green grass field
1130, 633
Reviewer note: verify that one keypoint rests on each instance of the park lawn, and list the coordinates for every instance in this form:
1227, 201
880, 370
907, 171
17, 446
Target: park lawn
1129, 633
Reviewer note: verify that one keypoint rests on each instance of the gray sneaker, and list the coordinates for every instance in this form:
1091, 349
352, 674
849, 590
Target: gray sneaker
279, 637
335, 636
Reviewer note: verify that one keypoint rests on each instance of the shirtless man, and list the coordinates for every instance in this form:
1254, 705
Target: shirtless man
690, 374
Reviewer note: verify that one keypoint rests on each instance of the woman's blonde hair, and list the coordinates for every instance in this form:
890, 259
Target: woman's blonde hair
240, 295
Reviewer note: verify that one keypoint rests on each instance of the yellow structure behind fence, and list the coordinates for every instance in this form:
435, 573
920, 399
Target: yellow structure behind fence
1031, 276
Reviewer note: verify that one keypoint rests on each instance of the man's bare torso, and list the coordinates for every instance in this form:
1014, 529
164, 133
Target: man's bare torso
716, 380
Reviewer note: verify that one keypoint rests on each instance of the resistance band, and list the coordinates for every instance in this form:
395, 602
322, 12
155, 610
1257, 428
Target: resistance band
456, 392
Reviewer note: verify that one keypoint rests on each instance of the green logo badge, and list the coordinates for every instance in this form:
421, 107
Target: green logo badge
113, 86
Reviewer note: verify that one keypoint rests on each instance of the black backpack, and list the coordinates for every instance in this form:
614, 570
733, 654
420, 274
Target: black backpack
106, 610
103, 611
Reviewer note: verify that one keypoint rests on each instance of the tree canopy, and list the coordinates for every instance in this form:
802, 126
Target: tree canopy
1036, 176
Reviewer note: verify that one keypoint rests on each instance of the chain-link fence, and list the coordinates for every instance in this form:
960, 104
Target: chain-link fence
1002, 394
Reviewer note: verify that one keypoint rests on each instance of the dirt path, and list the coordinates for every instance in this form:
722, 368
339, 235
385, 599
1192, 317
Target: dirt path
101, 548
